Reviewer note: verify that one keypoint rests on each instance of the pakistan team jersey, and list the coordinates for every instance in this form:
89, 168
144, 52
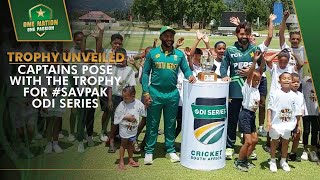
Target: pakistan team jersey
165, 67
237, 58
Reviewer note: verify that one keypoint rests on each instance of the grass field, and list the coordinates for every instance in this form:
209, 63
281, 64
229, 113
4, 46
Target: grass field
96, 163
137, 42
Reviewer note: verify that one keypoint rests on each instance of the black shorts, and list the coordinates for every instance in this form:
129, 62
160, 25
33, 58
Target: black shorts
247, 124
263, 86
103, 102
179, 115
116, 100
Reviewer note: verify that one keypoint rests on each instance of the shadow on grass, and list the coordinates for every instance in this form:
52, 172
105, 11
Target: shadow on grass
126, 159
265, 165
159, 151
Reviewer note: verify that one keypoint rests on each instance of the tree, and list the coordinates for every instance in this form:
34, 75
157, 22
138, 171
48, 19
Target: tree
169, 11
236, 5
147, 9
190, 12
178, 11
203, 11
255, 9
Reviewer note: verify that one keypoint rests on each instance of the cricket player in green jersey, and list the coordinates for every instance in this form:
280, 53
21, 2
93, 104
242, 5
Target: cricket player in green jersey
161, 94
238, 57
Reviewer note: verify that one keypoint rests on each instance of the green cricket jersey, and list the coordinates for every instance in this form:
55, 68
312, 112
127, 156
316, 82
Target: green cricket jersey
164, 67
237, 58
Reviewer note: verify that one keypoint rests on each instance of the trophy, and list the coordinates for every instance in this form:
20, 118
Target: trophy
207, 73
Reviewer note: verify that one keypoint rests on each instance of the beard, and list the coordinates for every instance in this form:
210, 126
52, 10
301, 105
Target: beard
167, 44
244, 41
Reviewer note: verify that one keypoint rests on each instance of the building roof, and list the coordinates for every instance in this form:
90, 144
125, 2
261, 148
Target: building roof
95, 15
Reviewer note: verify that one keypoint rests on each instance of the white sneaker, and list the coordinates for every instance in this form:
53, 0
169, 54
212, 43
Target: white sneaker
313, 156
104, 138
90, 141
61, 136
284, 165
229, 153
253, 156
48, 148
57, 148
262, 132
71, 138
81, 147
304, 156
38, 136
273, 166
173, 157
148, 160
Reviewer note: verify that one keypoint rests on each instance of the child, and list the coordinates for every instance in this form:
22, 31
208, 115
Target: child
294, 39
311, 118
276, 70
126, 74
86, 115
219, 48
251, 98
296, 132
24, 116
53, 115
282, 119
106, 102
76, 48
21, 112
194, 55
127, 117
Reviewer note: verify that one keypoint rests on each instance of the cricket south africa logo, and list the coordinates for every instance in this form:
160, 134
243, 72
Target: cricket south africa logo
209, 119
40, 20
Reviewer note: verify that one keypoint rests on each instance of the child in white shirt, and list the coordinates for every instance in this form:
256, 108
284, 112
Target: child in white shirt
296, 133
127, 117
250, 104
311, 121
277, 70
127, 78
282, 119
295, 48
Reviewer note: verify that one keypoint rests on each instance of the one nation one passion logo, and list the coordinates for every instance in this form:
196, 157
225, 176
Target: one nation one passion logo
41, 21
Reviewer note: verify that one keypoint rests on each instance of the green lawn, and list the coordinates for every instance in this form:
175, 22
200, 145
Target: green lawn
96, 163
136, 42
